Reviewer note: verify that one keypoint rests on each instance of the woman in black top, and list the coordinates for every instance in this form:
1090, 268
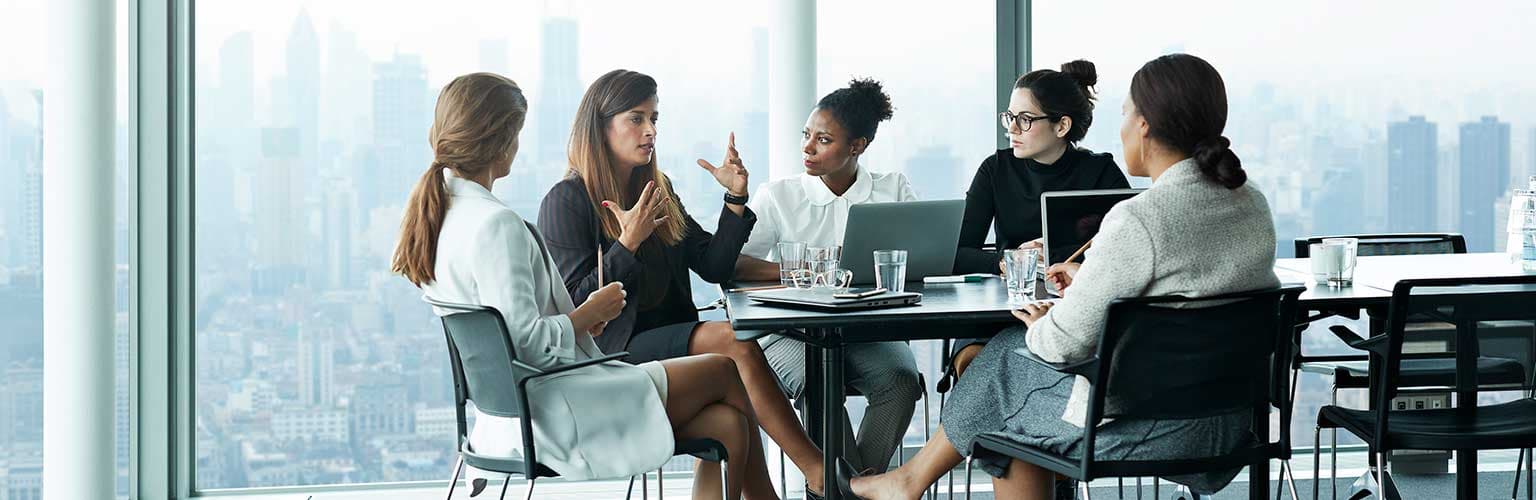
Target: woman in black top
1048, 113
616, 203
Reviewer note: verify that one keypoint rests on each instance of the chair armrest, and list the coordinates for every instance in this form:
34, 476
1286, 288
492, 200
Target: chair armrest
1085, 368
579, 364
1377, 344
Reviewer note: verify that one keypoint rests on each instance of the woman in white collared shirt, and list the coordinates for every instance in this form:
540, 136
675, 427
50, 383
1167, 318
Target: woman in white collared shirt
459, 243
813, 209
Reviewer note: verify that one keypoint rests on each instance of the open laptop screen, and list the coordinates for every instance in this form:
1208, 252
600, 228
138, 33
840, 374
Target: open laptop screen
1071, 218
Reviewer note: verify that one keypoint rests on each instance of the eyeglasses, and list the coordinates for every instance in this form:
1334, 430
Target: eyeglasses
1025, 122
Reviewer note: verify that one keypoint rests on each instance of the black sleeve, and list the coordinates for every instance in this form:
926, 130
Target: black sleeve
1110, 177
570, 229
979, 211
713, 256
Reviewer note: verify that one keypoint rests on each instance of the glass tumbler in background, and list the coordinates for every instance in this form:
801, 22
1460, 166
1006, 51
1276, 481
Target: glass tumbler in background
1019, 268
1339, 254
891, 270
823, 264
791, 259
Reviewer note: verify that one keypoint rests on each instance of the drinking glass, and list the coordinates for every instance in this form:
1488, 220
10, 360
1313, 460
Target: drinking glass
1019, 268
791, 259
891, 270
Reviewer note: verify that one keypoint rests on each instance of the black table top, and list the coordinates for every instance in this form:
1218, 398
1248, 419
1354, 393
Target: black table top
987, 301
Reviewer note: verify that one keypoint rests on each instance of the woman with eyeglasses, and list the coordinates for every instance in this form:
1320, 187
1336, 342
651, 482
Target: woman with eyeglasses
1048, 113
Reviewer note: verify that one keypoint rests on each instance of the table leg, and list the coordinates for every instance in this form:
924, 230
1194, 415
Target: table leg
812, 399
832, 422
1466, 401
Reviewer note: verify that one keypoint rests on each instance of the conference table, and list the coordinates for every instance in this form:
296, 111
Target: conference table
945, 307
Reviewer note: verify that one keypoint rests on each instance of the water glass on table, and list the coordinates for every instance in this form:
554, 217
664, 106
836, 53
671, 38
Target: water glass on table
891, 270
1333, 261
822, 269
791, 259
1020, 265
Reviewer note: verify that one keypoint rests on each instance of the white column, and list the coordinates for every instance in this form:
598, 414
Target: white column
791, 82
77, 251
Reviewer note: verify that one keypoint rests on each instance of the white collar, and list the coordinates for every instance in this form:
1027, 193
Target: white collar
819, 194
459, 186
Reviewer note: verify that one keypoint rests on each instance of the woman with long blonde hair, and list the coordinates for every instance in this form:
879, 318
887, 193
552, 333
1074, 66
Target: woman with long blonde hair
614, 218
461, 244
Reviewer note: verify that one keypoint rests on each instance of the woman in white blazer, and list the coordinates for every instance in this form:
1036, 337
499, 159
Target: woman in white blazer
459, 243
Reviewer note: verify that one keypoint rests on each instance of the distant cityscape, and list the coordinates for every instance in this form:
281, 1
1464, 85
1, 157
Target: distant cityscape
315, 365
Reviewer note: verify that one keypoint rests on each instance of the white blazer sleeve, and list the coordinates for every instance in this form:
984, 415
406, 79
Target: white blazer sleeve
507, 260
765, 235
904, 188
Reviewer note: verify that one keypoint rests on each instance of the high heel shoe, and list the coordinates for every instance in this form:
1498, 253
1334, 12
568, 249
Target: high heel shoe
845, 475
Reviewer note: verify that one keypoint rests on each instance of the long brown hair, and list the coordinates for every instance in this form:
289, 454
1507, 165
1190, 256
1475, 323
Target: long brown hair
592, 161
475, 128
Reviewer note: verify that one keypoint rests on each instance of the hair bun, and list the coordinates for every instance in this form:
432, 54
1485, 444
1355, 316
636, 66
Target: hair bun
1086, 74
1218, 163
872, 94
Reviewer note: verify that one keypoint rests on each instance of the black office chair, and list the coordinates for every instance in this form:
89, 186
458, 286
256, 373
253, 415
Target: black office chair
1467, 302
485, 364
1161, 362
1352, 371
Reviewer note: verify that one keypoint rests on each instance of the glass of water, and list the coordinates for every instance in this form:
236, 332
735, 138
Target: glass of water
1019, 268
823, 262
791, 259
1338, 256
891, 270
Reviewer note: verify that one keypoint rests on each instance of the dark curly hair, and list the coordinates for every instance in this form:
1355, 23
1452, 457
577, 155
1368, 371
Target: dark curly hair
859, 107
1068, 92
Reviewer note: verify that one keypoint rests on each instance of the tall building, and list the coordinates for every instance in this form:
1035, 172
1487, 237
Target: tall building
32, 193
344, 109
401, 118
340, 202
1411, 169
302, 85
1484, 165
21, 396
277, 211
559, 88
317, 367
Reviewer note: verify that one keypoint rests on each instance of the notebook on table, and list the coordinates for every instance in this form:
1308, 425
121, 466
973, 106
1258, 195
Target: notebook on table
822, 298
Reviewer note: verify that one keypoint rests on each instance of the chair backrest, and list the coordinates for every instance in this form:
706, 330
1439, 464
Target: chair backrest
1466, 302
1215, 356
1393, 244
483, 359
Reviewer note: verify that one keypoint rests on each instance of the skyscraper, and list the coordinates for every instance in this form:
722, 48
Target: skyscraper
1484, 163
336, 233
317, 366
344, 109
559, 88
302, 109
401, 118
277, 211
32, 194
1411, 164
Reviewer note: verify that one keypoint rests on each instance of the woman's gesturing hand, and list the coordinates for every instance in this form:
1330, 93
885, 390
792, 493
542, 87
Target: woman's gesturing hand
731, 174
637, 223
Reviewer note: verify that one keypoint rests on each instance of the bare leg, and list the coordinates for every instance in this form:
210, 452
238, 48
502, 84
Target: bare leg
911, 479
722, 423
964, 357
1024, 481
773, 410
696, 382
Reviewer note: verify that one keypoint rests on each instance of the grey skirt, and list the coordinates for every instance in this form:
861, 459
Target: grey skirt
1008, 396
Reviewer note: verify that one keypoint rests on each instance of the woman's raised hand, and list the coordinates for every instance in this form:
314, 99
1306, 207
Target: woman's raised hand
637, 223
731, 174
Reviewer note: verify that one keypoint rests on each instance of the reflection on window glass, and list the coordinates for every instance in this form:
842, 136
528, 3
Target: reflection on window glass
315, 365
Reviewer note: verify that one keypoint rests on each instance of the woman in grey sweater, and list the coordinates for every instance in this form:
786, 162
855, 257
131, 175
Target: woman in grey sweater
1200, 230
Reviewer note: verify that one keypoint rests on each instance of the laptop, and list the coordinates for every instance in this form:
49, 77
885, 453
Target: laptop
1071, 218
928, 230
822, 298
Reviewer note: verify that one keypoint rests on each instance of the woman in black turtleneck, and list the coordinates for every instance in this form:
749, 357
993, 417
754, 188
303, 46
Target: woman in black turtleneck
1048, 112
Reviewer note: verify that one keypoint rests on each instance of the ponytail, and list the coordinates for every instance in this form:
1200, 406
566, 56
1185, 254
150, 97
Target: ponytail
1218, 163
416, 254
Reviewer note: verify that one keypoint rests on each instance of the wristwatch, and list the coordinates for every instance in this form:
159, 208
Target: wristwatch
735, 200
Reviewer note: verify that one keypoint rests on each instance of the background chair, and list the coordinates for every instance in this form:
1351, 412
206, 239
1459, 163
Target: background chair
483, 377
1467, 303
1352, 371
1159, 362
